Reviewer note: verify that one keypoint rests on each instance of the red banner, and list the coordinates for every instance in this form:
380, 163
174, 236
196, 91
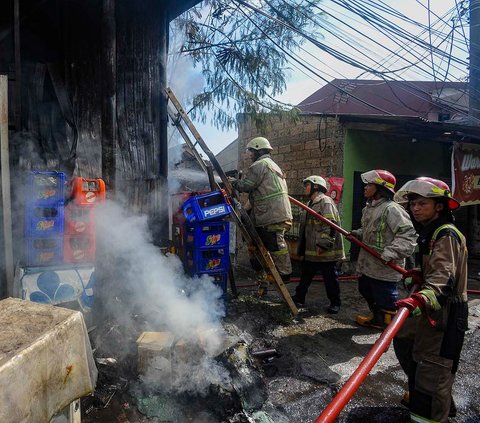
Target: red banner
335, 188
466, 173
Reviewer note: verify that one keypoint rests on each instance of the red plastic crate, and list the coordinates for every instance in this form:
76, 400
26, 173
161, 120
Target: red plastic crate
79, 249
87, 191
79, 220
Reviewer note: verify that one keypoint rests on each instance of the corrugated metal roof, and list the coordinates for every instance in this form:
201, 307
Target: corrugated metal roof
366, 97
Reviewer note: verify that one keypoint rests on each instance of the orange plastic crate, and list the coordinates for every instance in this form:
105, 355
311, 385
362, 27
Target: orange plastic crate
87, 191
79, 220
79, 248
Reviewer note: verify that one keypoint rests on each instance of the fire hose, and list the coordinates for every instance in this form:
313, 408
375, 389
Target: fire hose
381, 345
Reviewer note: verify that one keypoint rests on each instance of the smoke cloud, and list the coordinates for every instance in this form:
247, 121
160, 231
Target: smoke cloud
149, 283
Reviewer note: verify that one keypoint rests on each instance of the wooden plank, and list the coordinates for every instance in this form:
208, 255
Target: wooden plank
5, 174
109, 97
239, 214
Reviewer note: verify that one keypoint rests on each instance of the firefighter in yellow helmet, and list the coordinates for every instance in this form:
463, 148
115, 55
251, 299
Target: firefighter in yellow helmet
319, 244
271, 213
429, 344
387, 228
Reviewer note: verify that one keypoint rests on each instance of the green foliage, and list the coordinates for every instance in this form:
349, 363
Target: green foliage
244, 56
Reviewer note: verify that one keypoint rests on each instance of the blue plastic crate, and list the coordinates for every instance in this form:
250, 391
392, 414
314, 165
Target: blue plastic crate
207, 234
43, 251
218, 279
211, 260
210, 206
45, 188
44, 221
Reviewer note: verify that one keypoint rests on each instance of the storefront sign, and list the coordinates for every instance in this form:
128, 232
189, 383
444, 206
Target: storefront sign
466, 173
335, 188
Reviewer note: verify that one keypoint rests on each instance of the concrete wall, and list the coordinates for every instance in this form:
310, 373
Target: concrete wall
314, 145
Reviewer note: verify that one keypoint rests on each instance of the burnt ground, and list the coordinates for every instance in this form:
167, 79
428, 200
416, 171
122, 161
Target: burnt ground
316, 353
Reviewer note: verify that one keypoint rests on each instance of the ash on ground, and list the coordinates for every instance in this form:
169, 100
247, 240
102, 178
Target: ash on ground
278, 368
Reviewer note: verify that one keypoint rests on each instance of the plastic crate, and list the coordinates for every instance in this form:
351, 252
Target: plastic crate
44, 221
79, 249
207, 234
79, 220
211, 206
87, 191
212, 260
43, 251
218, 279
45, 188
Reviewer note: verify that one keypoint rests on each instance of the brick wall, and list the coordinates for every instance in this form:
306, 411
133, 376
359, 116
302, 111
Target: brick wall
312, 146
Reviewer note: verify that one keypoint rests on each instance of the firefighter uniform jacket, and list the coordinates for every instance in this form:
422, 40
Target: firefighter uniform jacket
267, 192
429, 346
314, 232
387, 228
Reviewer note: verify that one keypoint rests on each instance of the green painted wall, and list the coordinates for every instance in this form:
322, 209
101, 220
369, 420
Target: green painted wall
372, 150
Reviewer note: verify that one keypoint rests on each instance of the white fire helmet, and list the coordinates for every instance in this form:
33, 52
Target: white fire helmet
316, 180
429, 188
259, 143
380, 177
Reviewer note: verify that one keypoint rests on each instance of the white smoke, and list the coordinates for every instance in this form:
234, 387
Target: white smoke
156, 285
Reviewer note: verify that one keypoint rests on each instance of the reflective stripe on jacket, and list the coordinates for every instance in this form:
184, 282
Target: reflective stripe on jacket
444, 267
386, 227
268, 192
313, 231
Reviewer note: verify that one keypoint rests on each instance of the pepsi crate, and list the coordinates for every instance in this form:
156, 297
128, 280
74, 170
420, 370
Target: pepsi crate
44, 221
210, 206
207, 234
45, 188
212, 260
43, 251
218, 279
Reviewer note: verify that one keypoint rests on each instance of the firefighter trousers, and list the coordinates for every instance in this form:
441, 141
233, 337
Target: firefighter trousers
429, 356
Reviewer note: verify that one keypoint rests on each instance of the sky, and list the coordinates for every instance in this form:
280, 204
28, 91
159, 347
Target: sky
379, 49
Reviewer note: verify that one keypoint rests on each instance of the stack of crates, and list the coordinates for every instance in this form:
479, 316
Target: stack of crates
44, 218
79, 241
206, 237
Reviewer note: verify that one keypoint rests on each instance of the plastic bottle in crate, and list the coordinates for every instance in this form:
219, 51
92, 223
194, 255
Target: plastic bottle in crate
207, 234
87, 191
79, 249
79, 219
44, 221
45, 188
43, 251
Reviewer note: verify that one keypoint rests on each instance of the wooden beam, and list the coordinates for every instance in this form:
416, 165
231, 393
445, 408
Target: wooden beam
109, 94
6, 199
18, 66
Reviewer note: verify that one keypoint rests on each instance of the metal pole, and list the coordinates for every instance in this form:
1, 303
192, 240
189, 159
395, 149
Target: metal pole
6, 199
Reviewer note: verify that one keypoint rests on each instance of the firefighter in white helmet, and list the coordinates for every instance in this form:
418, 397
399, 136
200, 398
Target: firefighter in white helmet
428, 345
267, 190
319, 245
387, 228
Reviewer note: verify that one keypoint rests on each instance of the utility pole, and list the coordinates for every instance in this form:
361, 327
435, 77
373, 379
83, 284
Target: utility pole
474, 109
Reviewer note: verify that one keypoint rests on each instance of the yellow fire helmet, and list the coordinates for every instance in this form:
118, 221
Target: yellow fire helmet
259, 143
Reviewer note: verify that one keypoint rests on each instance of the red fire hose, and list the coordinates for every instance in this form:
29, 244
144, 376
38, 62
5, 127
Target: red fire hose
347, 235
381, 345
360, 374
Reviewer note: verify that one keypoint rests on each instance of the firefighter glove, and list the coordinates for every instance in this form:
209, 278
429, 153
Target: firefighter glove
415, 303
412, 277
